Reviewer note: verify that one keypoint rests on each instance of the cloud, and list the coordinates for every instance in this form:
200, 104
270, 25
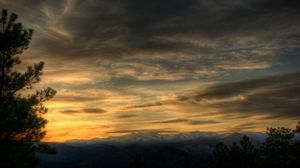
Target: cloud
146, 105
180, 120
274, 97
126, 116
243, 127
81, 98
203, 122
93, 110
138, 56
144, 130
69, 111
171, 40
84, 110
244, 87
187, 121
106, 29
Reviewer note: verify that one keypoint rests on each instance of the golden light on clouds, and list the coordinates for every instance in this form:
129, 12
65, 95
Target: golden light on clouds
122, 67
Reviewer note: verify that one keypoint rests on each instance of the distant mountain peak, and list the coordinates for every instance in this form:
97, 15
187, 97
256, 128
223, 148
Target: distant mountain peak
154, 137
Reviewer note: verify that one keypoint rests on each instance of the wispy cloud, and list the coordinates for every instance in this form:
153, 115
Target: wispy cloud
84, 110
145, 105
126, 116
153, 63
276, 96
243, 127
144, 130
187, 121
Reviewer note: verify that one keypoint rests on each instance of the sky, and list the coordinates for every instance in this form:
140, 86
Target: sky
166, 66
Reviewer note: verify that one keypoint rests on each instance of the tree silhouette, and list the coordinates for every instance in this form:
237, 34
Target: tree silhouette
238, 155
277, 149
21, 121
296, 148
219, 156
280, 150
297, 130
137, 163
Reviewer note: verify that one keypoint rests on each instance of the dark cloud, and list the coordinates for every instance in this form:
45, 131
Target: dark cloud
180, 120
69, 111
146, 105
84, 110
156, 131
276, 96
187, 121
93, 110
152, 18
203, 122
117, 28
147, 18
126, 116
167, 40
287, 81
76, 98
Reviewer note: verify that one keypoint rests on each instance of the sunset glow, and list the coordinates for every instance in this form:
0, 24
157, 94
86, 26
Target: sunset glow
122, 67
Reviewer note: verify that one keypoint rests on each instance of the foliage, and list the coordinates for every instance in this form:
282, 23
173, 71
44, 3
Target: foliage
21, 121
137, 163
238, 155
279, 150
276, 150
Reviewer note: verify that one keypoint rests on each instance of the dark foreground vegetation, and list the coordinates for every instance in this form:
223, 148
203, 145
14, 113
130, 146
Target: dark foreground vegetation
280, 150
21, 121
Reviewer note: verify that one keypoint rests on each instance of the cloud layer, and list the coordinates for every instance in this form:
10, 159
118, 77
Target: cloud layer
276, 96
167, 65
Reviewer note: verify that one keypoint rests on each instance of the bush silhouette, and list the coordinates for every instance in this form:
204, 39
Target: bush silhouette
21, 121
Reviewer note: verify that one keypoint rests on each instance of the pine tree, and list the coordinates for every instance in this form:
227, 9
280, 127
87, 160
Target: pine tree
238, 155
277, 149
21, 116
280, 150
220, 156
